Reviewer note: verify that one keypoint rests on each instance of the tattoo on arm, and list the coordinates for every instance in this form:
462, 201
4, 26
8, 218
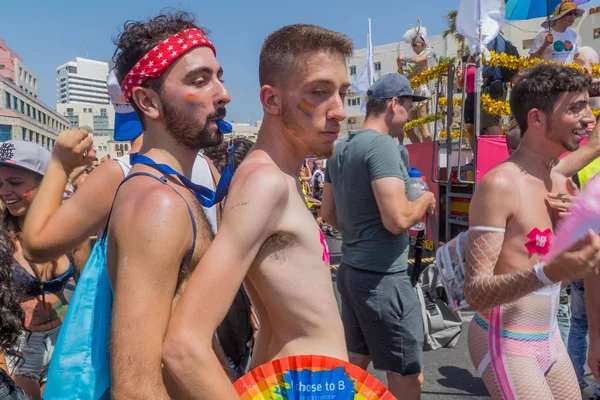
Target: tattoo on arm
240, 204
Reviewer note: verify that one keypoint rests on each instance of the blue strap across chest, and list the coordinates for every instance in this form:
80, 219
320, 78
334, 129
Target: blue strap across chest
205, 196
164, 181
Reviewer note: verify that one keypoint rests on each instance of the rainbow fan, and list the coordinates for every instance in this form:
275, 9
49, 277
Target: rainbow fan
310, 378
584, 215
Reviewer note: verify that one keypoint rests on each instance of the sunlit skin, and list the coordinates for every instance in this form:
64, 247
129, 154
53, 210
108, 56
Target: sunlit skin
548, 136
565, 22
313, 86
17, 189
187, 88
145, 278
418, 46
568, 121
271, 243
514, 195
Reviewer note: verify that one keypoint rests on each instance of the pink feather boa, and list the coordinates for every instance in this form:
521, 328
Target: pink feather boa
585, 215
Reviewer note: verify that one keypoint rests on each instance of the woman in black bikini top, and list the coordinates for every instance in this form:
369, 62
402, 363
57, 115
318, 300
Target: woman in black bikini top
39, 288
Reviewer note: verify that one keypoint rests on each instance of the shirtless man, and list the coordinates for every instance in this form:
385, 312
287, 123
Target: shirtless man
514, 340
424, 60
267, 235
54, 227
158, 232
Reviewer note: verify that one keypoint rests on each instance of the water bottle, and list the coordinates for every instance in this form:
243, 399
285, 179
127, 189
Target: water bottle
416, 186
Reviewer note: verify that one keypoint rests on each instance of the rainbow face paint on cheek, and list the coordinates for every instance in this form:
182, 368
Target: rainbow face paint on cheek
190, 98
306, 108
28, 196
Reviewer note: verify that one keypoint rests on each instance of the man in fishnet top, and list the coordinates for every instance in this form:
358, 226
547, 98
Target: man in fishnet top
514, 340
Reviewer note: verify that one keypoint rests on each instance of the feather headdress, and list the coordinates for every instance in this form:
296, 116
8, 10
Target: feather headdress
414, 33
584, 215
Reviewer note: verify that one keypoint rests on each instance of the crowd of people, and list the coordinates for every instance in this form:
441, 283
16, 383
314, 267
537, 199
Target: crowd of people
195, 259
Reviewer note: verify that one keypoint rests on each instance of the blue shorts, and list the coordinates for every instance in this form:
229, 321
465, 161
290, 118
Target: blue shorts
36, 349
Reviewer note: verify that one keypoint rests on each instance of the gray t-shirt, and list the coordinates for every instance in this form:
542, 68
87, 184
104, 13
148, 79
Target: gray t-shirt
359, 159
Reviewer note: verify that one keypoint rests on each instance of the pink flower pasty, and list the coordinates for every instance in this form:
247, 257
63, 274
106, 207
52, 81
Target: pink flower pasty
539, 242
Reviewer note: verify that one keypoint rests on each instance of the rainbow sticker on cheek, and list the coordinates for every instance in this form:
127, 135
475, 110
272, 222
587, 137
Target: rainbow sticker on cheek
190, 98
28, 196
306, 108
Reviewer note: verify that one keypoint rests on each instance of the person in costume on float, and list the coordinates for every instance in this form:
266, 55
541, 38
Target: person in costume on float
511, 229
424, 59
556, 42
268, 238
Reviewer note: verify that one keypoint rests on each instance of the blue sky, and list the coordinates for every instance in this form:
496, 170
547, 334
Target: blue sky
49, 33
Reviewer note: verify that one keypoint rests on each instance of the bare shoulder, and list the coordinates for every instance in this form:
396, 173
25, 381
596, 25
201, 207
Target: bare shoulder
263, 178
108, 175
496, 197
148, 206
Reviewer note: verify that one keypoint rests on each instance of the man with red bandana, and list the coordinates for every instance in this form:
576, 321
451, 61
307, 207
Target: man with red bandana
158, 232
271, 242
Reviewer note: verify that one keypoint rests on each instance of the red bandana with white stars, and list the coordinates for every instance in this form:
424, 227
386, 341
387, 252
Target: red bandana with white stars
157, 60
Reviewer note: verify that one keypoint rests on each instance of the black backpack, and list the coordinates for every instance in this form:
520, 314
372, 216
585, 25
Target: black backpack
506, 74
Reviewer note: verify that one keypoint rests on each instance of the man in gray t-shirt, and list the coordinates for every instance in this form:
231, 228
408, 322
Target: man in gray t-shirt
366, 156
365, 198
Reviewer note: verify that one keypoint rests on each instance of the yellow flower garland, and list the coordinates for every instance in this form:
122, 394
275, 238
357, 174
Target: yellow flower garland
496, 60
455, 134
500, 107
423, 120
491, 106
514, 62
495, 107
428, 75
443, 101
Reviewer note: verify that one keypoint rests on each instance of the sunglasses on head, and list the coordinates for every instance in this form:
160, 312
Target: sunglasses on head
416, 41
571, 13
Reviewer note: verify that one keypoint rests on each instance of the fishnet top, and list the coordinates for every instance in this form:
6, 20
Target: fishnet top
483, 289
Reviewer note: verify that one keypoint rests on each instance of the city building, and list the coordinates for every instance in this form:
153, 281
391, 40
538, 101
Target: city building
110, 147
520, 33
82, 97
101, 118
24, 117
13, 68
82, 81
246, 130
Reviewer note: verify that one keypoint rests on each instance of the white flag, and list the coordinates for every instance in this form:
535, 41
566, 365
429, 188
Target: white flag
363, 81
487, 14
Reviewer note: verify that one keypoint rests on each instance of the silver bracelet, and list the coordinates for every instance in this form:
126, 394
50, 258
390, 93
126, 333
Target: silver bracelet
539, 272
